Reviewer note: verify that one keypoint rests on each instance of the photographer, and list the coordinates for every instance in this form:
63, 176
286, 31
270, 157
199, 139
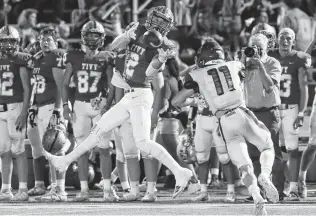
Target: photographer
262, 96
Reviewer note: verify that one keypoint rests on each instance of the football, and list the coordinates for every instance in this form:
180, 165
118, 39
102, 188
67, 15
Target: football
152, 38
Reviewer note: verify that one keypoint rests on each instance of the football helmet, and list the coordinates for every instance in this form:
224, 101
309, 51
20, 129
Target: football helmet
9, 39
186, 149
92, 35
268, 31
209, 51
55, 139
159, 19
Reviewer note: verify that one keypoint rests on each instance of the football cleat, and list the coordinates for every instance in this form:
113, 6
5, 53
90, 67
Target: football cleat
110, 196
302, 189
54, 195
149, 197
6, 195
184, 177
230, 197
21, 195
37, 191
130, 197
268, 188
260, 209
203, 196
82, 196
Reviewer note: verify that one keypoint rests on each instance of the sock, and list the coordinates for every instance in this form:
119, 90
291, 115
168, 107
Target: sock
39, 183
160, 153
84, 185
106, 184
266, 161
293, 186
203, 187
114, 177
151, 187
125, 185
302, 175
5, 187
214, 171
22, 185
135, 187
61, 184
231, 188
255, 193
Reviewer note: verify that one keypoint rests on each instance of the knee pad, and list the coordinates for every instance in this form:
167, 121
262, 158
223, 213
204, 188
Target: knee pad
223, 158
247, 174
17, 147
202, 157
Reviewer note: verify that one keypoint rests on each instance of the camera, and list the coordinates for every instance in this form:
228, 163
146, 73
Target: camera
252, 51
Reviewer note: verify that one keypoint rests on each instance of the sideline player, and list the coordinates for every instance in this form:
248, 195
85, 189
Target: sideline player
219, 82
294, 97
138, 99
15, 95
47, 79
92, 74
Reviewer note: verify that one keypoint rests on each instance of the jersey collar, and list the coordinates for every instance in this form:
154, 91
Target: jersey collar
213, 62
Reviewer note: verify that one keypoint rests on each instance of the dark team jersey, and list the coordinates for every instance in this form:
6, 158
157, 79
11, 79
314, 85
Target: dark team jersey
43, 75
289, 83
11, 89
89, 74
138, 58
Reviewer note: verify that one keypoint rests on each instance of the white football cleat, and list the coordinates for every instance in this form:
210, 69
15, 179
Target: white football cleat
268, 188
184, 177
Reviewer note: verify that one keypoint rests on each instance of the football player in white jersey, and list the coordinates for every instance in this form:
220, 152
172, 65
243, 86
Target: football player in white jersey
219, 82
145, 60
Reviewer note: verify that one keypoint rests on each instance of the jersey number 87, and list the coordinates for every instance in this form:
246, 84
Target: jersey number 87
84, 81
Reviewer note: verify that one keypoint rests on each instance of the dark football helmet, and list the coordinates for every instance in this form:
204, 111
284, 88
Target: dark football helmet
268, 31
160, 19
55, 139
209, 51
9, 39
186, 149
92, 35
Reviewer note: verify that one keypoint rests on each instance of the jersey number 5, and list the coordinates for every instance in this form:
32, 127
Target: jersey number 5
218, 79
83, 81
6, 83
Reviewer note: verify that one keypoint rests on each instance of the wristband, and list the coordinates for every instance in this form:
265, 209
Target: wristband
57, 109
300, 114
65, 104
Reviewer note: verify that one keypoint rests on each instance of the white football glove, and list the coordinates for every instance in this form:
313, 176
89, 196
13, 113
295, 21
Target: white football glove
164, 55
130, 33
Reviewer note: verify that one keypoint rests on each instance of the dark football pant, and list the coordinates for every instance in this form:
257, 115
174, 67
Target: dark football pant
271, 119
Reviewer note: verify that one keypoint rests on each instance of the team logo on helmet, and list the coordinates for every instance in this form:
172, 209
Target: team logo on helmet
9, 39
92, 35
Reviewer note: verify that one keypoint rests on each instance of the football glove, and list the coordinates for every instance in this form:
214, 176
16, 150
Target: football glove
33, 111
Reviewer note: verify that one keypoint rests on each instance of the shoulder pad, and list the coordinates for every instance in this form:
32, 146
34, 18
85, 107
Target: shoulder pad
23, 56
59, 52
303, 55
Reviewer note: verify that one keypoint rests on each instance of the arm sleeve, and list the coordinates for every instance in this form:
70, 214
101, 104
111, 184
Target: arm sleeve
189, 83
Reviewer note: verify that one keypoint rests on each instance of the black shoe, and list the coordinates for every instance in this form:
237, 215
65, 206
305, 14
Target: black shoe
249, 199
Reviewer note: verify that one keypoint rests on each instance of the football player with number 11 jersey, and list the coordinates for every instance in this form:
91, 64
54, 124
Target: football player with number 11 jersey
219, 82
144, 60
